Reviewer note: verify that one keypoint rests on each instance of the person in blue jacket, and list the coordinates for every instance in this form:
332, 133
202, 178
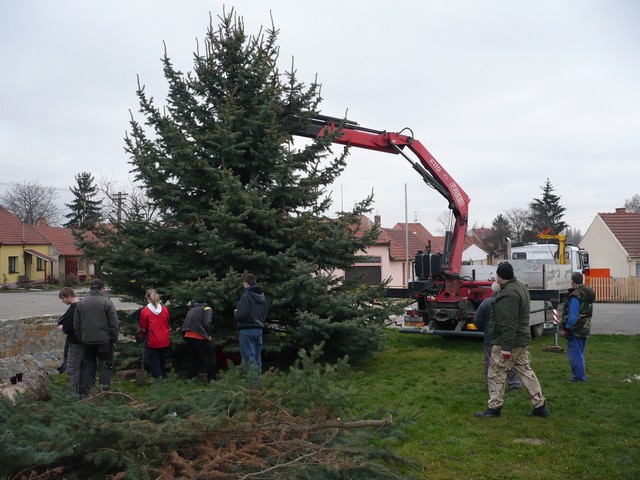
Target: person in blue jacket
576, 324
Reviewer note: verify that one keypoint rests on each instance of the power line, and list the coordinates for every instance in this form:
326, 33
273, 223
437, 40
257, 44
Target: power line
13, 184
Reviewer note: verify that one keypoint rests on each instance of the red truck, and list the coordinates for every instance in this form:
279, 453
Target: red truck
446, 300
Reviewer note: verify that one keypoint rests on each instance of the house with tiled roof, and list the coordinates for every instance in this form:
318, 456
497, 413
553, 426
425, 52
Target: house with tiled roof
393, 254
387, 258
24, 252
613, 242
480, 235
69, 260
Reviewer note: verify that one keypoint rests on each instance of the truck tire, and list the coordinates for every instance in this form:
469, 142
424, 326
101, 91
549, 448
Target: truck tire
537, 330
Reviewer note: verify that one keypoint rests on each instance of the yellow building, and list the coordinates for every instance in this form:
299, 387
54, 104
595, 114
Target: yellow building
23, 252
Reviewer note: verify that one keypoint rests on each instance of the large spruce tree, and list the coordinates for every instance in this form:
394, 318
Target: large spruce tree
237, 192
85, 209
546, 212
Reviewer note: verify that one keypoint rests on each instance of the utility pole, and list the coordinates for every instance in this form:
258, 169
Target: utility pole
119, 201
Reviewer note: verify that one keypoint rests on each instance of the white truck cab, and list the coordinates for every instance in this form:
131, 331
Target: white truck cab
574, 256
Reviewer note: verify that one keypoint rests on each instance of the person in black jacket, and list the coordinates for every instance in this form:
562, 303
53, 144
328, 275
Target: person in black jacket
74, 350
196, 331
251, 314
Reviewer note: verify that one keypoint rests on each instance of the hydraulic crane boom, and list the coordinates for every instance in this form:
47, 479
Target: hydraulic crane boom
562, 241
431, 171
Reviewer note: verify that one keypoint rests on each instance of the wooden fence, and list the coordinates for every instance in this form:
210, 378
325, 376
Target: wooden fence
609, 289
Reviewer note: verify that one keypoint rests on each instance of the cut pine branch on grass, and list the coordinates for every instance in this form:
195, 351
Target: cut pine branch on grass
270, 444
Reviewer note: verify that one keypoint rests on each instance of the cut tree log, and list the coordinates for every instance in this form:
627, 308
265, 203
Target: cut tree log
34, 386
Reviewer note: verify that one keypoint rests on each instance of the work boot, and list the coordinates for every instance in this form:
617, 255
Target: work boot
541, 411
489, 412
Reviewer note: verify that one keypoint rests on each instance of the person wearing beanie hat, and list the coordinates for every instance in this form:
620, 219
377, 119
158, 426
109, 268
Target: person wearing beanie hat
505, 271
95, 323
510, 338
481, 321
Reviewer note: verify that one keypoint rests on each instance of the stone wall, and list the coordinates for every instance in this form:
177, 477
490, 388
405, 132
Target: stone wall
29, 336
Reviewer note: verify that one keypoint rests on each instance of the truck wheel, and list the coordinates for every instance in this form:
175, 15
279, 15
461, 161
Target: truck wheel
537, 330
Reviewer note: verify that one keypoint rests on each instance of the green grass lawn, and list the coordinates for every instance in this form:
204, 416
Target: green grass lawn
433, 386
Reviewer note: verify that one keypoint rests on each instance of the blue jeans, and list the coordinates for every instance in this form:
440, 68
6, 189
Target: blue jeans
251, 348
575, 352
156, 358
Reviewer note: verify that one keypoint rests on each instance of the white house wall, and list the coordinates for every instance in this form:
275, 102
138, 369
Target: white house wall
387, 267
605, 251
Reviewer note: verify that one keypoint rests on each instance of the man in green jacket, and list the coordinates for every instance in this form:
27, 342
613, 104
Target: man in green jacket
511, 335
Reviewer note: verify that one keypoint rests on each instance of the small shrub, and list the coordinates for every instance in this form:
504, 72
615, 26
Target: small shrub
71, 280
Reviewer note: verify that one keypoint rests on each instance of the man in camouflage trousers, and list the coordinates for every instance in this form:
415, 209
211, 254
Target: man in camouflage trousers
511, 335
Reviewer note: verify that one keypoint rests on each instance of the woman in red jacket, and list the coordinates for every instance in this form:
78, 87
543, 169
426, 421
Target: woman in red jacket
154, 330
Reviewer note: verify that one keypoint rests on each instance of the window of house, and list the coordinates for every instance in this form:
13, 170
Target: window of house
368, 259
13, 264
368, 275
637, 269
39, 264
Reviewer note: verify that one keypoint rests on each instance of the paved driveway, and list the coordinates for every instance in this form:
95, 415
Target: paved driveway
608, 318
29, 303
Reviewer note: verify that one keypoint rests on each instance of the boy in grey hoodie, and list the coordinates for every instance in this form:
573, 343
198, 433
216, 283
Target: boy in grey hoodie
251, 314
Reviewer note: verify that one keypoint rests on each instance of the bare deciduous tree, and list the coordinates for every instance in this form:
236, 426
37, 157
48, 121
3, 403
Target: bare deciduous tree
445, 222
31, 201
632, 205
122, 203
518, 219
574, 236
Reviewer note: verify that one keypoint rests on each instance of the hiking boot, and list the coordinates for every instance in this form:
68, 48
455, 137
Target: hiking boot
489, 412
541, 411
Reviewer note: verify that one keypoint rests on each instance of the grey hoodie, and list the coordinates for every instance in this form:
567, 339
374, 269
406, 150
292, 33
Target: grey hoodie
252, 309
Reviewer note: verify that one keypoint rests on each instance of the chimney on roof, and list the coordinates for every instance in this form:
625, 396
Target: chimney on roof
42, 222
376, 219
621, 210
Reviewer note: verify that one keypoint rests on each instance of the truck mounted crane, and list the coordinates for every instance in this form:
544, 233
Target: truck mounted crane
446, 299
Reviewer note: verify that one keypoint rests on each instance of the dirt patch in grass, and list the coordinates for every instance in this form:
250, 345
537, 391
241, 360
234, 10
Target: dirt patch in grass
530, 441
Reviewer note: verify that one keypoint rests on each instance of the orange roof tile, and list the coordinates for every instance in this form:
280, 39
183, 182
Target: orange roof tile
415, 227
61, 238
14, 232
626, 228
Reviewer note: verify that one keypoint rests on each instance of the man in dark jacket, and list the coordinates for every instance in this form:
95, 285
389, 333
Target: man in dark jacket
95, 323
481, 320
73, 347
576, 324
251, 314
511, 335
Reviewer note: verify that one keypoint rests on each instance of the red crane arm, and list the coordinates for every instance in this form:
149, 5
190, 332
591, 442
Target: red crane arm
432, 172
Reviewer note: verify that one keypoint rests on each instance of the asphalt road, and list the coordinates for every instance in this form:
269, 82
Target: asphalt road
608, 318
616, 318
30, 303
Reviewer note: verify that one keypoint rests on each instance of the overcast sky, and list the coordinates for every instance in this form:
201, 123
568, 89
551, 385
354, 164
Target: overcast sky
504, 94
